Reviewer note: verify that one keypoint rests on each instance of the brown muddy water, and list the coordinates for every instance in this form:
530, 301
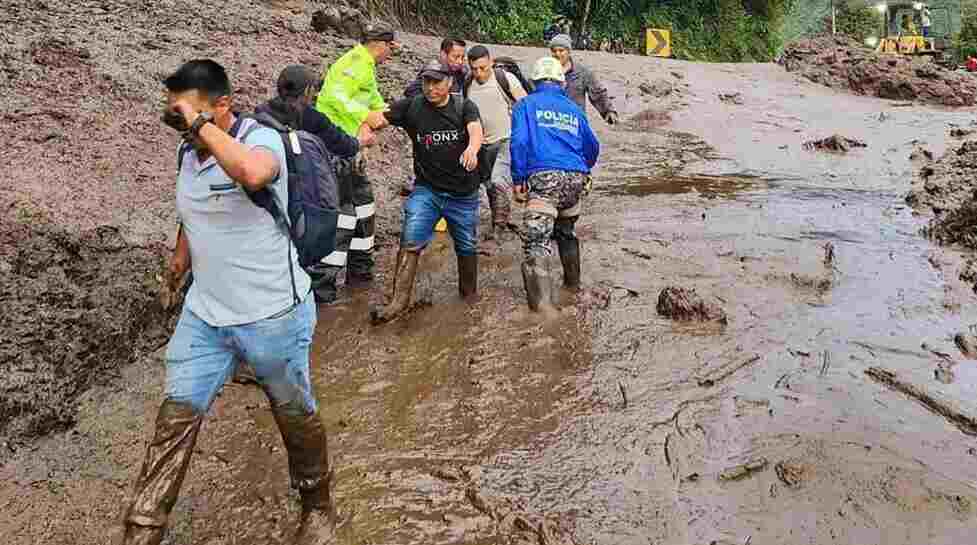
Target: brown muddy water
613, 425
626, 428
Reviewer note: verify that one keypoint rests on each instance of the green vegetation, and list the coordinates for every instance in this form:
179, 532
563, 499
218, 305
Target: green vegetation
859, 22
709, 30
966, 41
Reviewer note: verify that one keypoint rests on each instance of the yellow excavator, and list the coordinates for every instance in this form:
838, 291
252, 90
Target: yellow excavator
906, 30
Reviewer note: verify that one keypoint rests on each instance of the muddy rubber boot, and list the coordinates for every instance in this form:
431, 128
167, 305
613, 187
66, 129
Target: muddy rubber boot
538, 287
164, 467
570, 258
403, 288
308, 467
493, 199
468, 278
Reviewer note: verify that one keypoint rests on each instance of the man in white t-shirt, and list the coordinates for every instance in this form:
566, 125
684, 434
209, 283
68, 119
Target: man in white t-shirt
249, 301
494, 91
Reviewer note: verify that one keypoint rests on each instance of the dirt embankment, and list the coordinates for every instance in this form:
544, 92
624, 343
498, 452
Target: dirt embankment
843, 63
88, 198
76, 308
946, 187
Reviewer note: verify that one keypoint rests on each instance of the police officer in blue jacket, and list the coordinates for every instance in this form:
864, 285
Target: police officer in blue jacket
553, 150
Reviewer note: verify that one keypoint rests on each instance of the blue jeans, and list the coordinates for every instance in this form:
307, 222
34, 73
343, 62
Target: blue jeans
426, 206
200, 358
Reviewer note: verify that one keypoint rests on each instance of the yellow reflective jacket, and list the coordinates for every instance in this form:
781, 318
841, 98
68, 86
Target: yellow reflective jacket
350, 91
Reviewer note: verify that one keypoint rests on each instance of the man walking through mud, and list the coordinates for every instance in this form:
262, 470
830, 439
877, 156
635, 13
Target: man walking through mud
494, 91
249, 300
581, 83
553, 150
446, 134
351, 99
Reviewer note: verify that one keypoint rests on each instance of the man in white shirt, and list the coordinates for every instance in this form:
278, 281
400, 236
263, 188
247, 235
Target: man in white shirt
494, 91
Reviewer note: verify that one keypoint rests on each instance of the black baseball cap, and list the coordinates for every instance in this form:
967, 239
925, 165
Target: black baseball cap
436, 71
294, 80
379, 32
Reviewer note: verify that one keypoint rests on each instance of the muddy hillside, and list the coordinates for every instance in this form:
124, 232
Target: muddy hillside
767, 348
89, 207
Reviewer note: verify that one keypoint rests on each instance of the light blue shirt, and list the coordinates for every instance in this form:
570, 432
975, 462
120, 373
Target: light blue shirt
239, 256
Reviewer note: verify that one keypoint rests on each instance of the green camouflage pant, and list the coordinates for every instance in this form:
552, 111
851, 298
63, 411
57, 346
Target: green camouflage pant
554, 204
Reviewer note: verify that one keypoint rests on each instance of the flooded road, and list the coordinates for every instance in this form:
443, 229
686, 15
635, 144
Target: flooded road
618, 426
615, 425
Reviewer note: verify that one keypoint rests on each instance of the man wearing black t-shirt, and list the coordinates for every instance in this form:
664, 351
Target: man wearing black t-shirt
446, 134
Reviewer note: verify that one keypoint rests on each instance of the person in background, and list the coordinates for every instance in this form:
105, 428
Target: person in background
926, 20
553, 151
494, 91
351, 99
581, 83
297, 89
452, 60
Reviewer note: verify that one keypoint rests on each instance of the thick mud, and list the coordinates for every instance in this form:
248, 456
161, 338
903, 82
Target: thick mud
76, 308
833, 407
843, 63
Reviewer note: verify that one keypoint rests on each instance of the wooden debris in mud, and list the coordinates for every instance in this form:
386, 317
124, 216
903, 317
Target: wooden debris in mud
834, 143
742, 471
732, 98
942, 407
637, 253
829, 255
825, 362
684, 304
724, 373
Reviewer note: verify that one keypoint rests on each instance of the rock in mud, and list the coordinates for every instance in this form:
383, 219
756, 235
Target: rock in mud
685, 305
843, 63
657, 88
834, 143
732, 98
967, 344
340, 20
793, 473
651, 119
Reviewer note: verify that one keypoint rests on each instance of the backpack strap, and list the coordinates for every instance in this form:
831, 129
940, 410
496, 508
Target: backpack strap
502, 78
264, 198
181, 151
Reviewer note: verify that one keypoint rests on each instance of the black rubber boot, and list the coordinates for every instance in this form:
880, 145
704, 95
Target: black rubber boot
403, 288
308, 467
538, 287
164, 467
468, 278
570, 258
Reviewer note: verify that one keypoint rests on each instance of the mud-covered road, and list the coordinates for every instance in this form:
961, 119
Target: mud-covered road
832, 408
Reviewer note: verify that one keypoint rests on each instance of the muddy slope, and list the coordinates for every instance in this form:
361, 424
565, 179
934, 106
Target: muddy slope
88, 203
75, 309
842, 63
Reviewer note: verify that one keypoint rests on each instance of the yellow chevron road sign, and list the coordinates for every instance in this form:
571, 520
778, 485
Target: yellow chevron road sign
658, 42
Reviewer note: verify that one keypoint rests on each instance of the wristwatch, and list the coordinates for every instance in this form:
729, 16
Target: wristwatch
202, 119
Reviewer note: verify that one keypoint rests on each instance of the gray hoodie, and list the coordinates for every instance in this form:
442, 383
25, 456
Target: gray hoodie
582, 84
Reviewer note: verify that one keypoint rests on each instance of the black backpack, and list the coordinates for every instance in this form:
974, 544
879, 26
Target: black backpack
312, 212
503, 65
